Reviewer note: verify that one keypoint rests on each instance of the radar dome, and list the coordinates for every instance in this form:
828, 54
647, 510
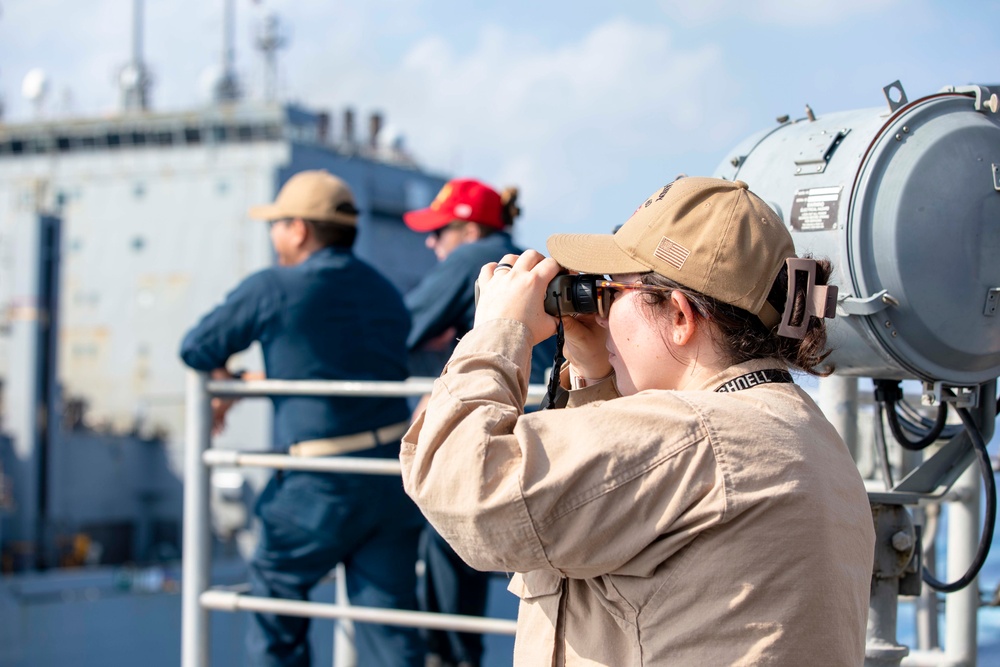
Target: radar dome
35, 85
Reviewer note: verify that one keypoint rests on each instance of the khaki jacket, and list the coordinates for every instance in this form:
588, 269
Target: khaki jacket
664, 528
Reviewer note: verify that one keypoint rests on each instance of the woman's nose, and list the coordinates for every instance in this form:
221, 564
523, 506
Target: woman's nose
430, 242
601, 320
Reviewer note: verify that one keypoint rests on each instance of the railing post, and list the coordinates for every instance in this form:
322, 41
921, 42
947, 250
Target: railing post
196, 552
344, 653
961, 607
927, 607
894, 560
838, 398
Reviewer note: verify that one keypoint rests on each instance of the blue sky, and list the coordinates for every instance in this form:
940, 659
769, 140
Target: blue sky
587, 106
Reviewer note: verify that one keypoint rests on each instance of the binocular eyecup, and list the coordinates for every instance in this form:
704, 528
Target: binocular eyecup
571, 294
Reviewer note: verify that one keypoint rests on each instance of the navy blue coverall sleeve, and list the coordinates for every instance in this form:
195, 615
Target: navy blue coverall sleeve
441, 300
233, 325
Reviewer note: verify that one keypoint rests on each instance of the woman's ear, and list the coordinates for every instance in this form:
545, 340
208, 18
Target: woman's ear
682, 319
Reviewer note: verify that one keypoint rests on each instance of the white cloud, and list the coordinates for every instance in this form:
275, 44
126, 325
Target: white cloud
560, 122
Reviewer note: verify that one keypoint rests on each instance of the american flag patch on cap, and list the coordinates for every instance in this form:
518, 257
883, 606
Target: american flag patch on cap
672, 253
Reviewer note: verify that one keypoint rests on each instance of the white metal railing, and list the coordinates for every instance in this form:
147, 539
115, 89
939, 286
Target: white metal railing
839, 400
197, 596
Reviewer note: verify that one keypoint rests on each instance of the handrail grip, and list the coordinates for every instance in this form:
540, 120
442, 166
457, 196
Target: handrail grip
364, 466
262, 388
414, 386
200, 457
223, 600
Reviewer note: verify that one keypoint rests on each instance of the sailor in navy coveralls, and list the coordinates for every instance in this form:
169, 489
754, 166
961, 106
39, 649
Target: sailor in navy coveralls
468, 225
323, 314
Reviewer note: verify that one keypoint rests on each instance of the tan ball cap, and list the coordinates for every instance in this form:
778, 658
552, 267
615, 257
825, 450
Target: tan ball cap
311, 195
711, 235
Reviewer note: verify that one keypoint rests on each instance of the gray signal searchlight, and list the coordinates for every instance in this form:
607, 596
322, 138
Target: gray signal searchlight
904, 199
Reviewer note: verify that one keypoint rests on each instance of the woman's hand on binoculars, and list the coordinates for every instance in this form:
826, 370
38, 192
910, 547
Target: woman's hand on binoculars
586, 346
514, 289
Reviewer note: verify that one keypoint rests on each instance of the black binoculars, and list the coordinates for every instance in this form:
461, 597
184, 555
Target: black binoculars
582, 293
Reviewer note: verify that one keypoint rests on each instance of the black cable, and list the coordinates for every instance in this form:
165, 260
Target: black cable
917, 424
889, 393
881, 450
930, 438
991, 512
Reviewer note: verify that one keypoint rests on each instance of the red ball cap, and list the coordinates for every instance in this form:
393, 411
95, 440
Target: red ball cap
463, 200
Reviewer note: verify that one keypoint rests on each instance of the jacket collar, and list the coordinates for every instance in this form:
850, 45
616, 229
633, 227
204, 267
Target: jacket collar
714, 382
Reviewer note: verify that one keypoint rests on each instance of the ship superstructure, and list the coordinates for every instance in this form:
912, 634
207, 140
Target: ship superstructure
145, 216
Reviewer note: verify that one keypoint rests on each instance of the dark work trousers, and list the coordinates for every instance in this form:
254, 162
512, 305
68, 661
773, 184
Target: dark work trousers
312, 521
450, 586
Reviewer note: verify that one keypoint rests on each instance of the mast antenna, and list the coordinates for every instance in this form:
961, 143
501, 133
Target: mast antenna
271, 37
134, 78
227, 86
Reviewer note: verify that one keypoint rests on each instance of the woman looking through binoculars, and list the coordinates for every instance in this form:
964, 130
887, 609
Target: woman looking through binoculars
691, 505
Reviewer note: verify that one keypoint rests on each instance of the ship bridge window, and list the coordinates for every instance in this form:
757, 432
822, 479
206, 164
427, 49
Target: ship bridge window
23, 146
302, 133
36, 145
116, 138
